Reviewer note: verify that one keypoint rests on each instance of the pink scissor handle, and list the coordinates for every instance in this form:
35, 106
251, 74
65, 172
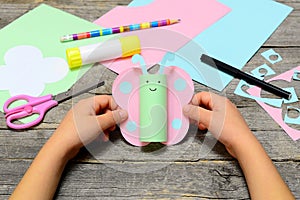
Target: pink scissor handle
30, 101
35, 105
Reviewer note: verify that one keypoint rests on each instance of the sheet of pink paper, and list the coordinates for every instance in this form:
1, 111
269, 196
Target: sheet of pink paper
195, 17
276, 113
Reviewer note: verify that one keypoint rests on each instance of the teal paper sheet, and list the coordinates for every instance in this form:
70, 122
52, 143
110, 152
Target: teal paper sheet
234, 39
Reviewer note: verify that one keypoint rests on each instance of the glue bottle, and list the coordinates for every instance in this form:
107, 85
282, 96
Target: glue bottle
111, 49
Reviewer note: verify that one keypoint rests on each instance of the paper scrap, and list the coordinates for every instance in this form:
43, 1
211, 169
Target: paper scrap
292, 120
268, 56
239, 91
276, 113
296, 76
258, 72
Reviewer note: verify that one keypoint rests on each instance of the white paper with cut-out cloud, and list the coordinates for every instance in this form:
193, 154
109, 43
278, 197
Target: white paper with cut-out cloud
26, 71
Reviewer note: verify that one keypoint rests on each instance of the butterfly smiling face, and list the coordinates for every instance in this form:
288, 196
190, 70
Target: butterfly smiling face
153, 83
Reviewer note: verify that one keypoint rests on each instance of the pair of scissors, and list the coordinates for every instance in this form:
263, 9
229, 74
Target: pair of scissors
38, 105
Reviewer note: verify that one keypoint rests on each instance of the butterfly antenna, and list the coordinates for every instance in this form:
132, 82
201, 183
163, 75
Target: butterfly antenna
168, 57
137, 58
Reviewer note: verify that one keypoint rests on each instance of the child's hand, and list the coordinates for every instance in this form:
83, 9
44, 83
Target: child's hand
87, 120
82, 124
220, 117
225, 122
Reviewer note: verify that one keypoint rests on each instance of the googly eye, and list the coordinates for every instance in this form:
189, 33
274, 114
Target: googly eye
147, 81
158, 81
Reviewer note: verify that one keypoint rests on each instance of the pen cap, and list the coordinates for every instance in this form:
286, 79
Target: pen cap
111, 49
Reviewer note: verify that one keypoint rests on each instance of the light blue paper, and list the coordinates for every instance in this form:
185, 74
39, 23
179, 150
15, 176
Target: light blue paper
296, 76
290, 120
269, 71
294, 97
273, 102
267, 54
138, 3
200, 72
239, 91
234, 39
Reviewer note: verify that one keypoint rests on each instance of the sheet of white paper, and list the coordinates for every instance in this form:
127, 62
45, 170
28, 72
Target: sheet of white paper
27, 71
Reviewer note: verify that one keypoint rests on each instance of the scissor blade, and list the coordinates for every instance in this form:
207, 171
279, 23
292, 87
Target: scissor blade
73, 93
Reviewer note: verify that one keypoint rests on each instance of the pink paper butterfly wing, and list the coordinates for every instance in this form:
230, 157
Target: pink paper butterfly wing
180, 91
125, 91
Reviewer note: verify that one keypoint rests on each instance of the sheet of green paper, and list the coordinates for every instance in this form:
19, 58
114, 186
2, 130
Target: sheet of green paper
42, 28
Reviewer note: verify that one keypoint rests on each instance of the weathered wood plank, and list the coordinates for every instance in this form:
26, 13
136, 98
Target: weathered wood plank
193, 169
207, 180
286, 33
23, 145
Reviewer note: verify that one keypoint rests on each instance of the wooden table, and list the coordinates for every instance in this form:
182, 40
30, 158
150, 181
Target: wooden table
190, 170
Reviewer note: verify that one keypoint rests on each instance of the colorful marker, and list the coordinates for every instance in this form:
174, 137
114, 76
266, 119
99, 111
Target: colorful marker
121, 29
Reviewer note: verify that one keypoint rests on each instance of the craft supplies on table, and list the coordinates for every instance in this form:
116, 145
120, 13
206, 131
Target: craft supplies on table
38, 105
111, 49
35, 64
236, 73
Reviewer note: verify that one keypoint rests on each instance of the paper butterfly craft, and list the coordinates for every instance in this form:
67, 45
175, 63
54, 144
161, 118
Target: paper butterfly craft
154, 103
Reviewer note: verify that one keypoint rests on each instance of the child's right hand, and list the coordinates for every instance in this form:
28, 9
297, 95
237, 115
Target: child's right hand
220, 117
87, 120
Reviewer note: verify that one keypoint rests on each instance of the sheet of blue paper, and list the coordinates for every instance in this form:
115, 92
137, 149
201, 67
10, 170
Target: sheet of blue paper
234, 39
136, 3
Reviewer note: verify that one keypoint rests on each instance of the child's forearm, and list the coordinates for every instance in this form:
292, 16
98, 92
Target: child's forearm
80, 126
41, 179
263, 179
